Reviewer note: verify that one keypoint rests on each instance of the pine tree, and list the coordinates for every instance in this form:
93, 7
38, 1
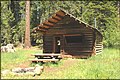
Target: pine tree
7, 19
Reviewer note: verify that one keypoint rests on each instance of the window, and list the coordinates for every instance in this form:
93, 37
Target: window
74, 39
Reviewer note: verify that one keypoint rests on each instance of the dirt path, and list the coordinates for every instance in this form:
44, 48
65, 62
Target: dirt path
67, 63
24, 64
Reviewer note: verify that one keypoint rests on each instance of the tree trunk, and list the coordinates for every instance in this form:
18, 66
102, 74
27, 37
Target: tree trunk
27, 31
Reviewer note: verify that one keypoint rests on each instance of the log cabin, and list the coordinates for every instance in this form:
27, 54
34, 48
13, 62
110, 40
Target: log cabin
69, 36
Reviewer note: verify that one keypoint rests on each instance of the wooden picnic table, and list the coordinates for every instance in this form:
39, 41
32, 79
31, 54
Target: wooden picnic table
40, 56
46, 57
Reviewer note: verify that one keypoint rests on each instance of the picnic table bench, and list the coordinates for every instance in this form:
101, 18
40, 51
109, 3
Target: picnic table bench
49, 57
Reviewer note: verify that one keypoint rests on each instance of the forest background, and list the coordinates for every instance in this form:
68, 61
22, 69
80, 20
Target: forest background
106, 14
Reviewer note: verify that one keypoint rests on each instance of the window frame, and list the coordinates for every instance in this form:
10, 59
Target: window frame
72, 35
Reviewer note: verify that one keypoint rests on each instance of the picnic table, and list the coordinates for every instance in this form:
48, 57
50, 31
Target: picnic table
49, 57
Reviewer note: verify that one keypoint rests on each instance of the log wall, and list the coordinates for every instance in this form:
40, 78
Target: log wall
47, 43
83, 49
98, 44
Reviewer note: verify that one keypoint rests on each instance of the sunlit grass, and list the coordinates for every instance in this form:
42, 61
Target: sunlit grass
101, 66
9, 60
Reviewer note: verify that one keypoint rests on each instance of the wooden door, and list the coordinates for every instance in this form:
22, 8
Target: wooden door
57, 44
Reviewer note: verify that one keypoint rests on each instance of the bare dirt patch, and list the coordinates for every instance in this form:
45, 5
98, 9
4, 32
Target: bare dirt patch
67, 63
24, 64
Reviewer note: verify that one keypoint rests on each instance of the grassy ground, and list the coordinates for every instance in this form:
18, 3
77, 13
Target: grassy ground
101, 66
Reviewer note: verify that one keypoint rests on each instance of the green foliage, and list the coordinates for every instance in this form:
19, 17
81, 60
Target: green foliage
6, 20
12, 25
13, 18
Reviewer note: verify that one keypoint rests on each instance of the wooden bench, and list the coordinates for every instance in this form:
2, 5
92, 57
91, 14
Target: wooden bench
46, 54
44, 60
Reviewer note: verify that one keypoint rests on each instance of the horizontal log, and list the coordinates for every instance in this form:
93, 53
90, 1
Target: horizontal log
74, 52
80, 51
98, 48
70, 29
48, 39
89, 39
90, 42
99, 44
75, 49
85, 47
82, 47
89, 36
98, 51
44, 60
79, 46
48, 44
79, 54
46, 54
88, 32
64, 32
48, 36
48, 49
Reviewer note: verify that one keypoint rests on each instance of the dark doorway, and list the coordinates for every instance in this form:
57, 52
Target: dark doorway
57, 44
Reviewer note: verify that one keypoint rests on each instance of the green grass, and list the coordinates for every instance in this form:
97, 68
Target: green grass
10, 60
101, 66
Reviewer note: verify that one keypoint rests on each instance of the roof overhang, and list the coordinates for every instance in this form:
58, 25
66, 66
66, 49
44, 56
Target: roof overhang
55, 18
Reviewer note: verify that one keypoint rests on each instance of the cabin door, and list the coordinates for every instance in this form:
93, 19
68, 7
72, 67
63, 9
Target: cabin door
57, 44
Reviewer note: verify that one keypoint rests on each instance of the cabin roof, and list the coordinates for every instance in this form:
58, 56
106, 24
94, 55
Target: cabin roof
57, 17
